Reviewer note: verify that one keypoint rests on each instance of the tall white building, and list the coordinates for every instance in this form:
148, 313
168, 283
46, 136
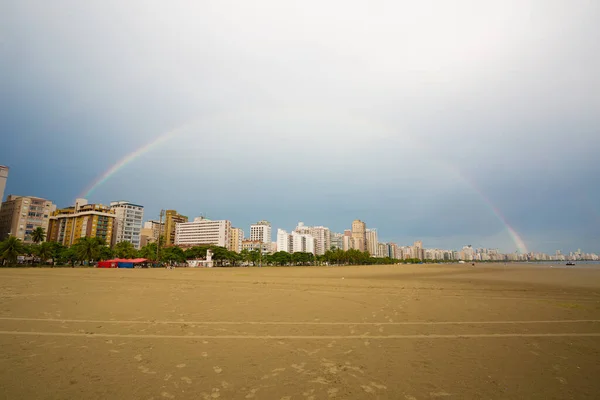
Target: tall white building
284, 241
129, 218
295, 242
320, 233
203, 232
372, 243
261, 231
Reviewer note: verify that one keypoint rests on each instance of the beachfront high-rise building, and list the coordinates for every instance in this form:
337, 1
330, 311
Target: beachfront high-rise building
372, 242
68, 225
295, 242
172, 218
20, 215
129, 222
261, 231
284, 241
3, 178
337, 241
320, 233
418, 251
237, 237
203, 231
359, 234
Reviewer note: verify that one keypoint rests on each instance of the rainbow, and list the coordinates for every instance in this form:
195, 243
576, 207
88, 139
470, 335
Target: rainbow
129, 158
516, 238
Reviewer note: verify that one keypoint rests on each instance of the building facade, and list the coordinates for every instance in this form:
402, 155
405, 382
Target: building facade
129, 219
21, 215
68, 225
151, 231
295, 242
359, 234
3, 178
203, 231
237, 237
320, 233
250, 245
372, 242
172, 218
261, 231
337, 241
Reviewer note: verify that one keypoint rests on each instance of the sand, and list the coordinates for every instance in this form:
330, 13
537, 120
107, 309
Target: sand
378, 332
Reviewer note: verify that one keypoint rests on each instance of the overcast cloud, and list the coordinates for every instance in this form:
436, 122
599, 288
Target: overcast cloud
404, 114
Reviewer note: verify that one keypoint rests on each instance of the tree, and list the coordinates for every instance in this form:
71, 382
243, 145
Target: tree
45, 252
106, 253
148, 251
88, 248
245, 256
125, 250
10, 249
38, 235
173, 254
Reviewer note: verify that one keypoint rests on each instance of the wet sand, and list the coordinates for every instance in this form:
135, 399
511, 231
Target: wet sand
380, 332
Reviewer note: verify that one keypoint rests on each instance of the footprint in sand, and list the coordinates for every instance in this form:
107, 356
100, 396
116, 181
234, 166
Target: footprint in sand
138, 357
215, 393
186, 380
218, 369
224, 385
378, 386
368, 389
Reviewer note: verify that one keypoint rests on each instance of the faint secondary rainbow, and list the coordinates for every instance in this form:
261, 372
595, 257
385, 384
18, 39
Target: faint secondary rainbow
127, 160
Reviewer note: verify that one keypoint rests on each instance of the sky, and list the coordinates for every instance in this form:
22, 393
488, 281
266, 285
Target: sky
447, 122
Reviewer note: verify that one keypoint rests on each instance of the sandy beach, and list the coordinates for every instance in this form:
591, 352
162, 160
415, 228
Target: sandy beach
380, 332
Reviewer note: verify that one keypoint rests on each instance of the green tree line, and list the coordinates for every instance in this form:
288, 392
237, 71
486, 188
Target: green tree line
90, 250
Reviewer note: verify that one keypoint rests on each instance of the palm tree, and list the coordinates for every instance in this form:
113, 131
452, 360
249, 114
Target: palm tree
87, 249
10, 249
38, 235
45, 252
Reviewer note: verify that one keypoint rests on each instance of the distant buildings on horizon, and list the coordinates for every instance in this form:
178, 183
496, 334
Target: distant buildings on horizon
123, 221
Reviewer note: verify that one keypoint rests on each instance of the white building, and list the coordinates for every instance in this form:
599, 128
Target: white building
129, 218
372, 242
284, 241
203, 232
295, 242
320, 233
261, 231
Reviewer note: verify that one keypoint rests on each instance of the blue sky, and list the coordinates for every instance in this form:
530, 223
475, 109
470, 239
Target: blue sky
403, 114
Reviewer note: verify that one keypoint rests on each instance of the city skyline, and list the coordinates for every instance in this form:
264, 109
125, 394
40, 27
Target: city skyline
273, 237
478, 124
